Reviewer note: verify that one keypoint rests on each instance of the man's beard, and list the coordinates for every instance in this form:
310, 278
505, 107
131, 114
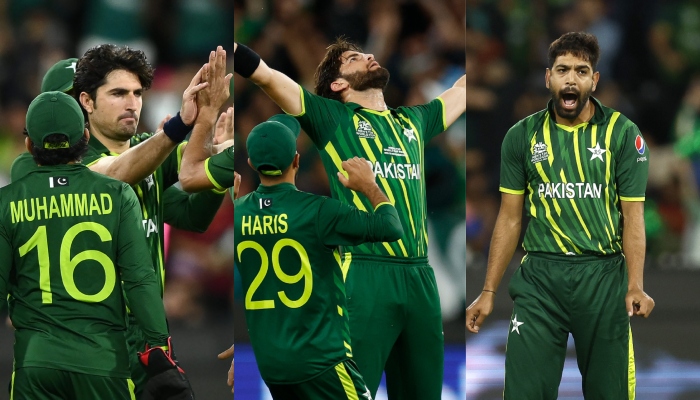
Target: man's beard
569, 92
360, 80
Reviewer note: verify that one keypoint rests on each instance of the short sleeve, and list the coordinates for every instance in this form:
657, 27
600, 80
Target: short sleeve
319, 116
219, 169
513, 153
632, 165
430, 117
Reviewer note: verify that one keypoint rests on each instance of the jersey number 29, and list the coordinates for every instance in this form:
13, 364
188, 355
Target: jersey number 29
304, 273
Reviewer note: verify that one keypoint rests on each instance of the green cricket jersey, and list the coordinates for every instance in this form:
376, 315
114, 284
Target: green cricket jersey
160, 202
70, 240
573, 179
287, 253
394, 142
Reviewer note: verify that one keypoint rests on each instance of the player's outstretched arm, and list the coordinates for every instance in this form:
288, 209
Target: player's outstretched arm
193, 175
503, 243
634, 247
138, 162
278, 86
455, 99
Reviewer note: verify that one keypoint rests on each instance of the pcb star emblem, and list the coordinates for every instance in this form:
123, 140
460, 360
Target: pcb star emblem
597, 152
516, 324
72, 66
409, 134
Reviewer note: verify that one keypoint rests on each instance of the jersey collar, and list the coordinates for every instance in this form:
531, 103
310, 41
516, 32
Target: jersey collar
354, 107
280, 187
102, 149
598, 115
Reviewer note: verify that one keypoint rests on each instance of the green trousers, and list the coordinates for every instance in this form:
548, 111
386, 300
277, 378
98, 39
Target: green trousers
396, 326
342, 382
32, 383
555, 296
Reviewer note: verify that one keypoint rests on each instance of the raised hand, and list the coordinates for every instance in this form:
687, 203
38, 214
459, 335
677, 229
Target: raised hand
219, 81
188, 110
224, 127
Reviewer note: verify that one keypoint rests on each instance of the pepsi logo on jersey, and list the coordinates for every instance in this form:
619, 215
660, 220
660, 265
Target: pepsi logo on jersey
641, 147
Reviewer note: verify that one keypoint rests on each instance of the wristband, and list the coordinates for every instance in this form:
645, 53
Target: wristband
175, 129
245, 61
485, 290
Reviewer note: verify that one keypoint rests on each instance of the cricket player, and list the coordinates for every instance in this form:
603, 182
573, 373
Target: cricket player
393, 301
580, 170
70, 241
109, 82
287, 252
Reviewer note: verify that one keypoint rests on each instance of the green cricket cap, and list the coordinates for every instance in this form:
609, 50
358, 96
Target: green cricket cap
272, 144
55, 112
60, 76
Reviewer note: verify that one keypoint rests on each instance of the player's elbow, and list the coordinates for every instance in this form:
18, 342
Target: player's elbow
186, 181
393, 231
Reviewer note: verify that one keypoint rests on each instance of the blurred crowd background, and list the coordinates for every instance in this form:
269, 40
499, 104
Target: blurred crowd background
649, 71
421, 43
176, 36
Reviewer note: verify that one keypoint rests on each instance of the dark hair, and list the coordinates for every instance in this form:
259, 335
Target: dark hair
329, 69
44, 156
94, 66
579, 44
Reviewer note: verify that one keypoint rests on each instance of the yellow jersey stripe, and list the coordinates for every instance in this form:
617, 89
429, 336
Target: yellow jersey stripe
533, 209
511, 191
303, 106
346, 381
608, 137
211, 178
547, 140
132, 389
384, 203
345, 266
444, 113
631, 379
578, 213
330, 149
12, 385
340, 311
578, 159
548, 213
632, 198
594, 132
180, 149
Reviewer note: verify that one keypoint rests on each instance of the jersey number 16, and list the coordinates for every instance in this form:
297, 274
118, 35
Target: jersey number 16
39, 240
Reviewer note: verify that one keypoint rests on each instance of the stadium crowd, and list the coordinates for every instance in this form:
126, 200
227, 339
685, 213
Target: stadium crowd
650, 71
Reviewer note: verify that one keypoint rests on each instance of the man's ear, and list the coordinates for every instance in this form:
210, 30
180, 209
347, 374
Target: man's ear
339, 85
86, 102
547, 74
596, 77
29, 144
